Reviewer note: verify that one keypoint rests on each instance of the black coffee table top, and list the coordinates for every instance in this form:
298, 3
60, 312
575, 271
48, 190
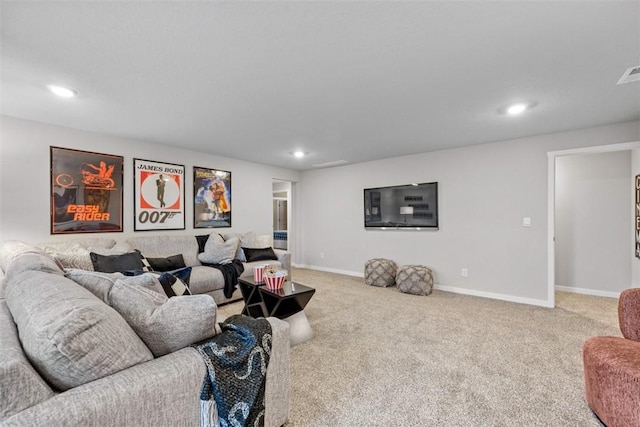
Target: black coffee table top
283, 302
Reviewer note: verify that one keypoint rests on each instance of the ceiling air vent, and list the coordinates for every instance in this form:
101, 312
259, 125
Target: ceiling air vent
333, 163
631, 75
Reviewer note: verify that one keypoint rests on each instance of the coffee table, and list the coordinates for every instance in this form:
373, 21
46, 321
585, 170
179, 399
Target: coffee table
286, 303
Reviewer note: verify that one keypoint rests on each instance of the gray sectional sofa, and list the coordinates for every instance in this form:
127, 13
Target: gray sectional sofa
69, 358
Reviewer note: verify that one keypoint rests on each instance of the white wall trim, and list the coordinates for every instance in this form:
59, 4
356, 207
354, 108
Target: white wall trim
452, 289
491, 295
584, 291
329, 270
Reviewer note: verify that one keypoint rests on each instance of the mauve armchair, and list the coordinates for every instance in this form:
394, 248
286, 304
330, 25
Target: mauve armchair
612, 368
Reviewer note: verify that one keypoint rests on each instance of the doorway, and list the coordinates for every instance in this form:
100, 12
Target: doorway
281, 214
553, 161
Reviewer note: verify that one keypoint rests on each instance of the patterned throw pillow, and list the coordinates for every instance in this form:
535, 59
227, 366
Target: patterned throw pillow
219, 253
75, 256
176, 283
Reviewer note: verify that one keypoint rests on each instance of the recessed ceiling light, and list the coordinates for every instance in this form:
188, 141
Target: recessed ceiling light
515, 109
62, 91
298, 154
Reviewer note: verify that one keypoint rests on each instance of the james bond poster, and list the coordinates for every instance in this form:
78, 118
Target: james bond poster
86, 192
159, 195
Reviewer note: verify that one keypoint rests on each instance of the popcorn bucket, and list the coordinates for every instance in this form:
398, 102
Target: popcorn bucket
274, 282
258, 273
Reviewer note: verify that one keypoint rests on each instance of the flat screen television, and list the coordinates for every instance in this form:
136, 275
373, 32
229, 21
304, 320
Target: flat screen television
411, 206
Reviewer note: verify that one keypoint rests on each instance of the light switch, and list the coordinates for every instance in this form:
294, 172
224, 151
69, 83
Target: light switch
526, 222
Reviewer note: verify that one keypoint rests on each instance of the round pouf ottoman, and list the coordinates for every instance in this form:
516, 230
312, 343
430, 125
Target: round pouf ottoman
414, 279
380, 272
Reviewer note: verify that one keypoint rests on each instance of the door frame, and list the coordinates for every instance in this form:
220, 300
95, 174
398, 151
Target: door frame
551, 204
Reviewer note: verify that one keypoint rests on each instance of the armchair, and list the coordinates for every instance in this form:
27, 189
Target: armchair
612, 367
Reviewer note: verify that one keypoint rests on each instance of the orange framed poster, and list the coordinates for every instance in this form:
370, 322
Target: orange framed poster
86, 191
158, 196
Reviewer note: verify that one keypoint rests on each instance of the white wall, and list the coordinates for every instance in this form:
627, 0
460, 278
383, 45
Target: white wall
484, 191
24, 180
593, 222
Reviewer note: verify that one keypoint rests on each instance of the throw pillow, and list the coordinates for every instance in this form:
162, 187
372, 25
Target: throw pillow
262, 254
176, 283
100, 284
165, 324
252, 240
75, 256
173, 262
219, 253
202, 241
115, 263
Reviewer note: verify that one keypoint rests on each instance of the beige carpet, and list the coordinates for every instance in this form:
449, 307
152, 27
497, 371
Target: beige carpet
383, 358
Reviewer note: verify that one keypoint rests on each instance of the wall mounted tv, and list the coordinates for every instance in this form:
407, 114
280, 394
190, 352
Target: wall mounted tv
411, 206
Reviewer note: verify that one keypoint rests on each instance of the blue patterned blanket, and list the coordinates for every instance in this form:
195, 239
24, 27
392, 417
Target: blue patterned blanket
233, 389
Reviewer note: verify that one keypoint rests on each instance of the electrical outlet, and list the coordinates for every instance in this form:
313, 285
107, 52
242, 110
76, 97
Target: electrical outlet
321, 255
464, 272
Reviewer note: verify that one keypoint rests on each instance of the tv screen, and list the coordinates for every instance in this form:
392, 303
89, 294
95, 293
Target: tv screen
411, 206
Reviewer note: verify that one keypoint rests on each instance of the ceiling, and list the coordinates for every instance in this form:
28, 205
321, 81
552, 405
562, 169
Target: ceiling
353, 81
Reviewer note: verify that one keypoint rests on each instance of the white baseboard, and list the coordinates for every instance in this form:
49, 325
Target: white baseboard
463, 291
329, 270
491, 295
588, 292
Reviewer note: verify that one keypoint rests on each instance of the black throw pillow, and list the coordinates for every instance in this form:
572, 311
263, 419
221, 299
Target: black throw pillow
173, 262
117, 263
202, 241
263, 254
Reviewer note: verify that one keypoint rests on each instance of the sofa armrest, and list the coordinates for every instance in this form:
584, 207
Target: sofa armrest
629, 313
163, 391
285, 259
278, 387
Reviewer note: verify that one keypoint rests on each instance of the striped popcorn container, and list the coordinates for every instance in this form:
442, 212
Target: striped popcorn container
275, 282
258, 273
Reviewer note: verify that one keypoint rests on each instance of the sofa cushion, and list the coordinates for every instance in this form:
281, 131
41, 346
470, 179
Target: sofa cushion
21, 387
165, 324
100, 284
69, 335
259, 254
173, 262
117, 263
219, 253
205, 279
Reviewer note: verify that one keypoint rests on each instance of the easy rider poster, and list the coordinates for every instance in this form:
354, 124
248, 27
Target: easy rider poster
159, 196
86, 192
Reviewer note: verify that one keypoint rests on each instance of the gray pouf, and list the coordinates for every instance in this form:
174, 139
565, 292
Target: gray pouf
414, 279
380, 272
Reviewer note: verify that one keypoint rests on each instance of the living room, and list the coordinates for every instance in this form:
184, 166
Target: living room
486, 186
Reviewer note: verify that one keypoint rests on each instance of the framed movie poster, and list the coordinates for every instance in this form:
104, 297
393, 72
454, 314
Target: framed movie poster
158, 196
211, 198
86, 192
